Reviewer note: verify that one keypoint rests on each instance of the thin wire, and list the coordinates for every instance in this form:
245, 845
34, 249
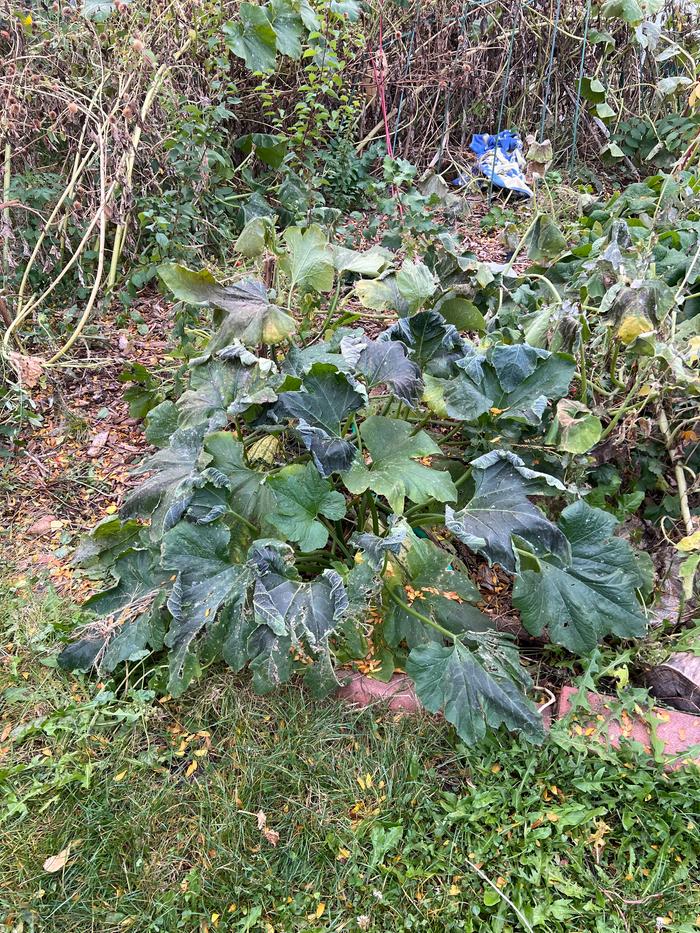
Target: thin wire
550, 66
577, 108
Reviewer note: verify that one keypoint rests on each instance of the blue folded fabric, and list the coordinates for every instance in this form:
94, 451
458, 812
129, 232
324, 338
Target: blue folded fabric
500, 159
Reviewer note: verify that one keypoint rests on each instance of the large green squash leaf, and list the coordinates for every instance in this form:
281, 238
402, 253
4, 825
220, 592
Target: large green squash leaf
206, 580
167, 492
434, 344
381, 294
440, 589
221, 388
500, 508
513, 382
321, 409
252, 38
393, 472
302, 495
416, 284
126, 610
475, 688
309, 261
588, 596
384, 362
247, 490
371, 262
249, 316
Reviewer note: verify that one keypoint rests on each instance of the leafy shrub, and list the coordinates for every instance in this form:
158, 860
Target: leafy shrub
289, 507
660, 141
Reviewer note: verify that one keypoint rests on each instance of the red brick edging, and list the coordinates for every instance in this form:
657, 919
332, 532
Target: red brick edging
678, 732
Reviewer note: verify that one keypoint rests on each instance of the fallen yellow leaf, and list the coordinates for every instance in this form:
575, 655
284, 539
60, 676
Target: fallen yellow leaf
191, 768
120, 776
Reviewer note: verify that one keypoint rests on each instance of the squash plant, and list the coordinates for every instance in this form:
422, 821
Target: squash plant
312, 489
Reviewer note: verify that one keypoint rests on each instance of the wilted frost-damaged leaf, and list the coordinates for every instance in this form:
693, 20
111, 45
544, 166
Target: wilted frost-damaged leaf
500, 508
125, 625
475, 688
206, 580
575, 429
385, 362
588, 596
545, 240
434, 344
376, 547
321, 409
166, 494
249, 316
416, 284
394, 472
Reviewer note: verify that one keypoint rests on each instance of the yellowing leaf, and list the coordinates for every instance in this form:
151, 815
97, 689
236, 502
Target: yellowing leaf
454, 890
191, 768
690, 542
553, 817
633, 326
111, 509
119, 777
320, 909
694, 98
215, 920
57, 862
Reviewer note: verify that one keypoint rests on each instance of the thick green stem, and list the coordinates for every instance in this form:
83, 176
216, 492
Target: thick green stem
419, 615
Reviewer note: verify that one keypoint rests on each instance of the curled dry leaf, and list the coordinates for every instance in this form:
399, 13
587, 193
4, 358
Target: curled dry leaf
28, 368
270, 835
57, 862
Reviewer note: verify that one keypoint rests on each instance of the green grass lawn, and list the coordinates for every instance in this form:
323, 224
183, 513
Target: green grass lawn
383, 823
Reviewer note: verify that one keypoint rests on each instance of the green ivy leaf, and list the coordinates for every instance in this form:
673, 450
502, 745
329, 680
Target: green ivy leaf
393, 472
252, 38
587, 596
288, 26
270, 149
628, 10
302, 495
